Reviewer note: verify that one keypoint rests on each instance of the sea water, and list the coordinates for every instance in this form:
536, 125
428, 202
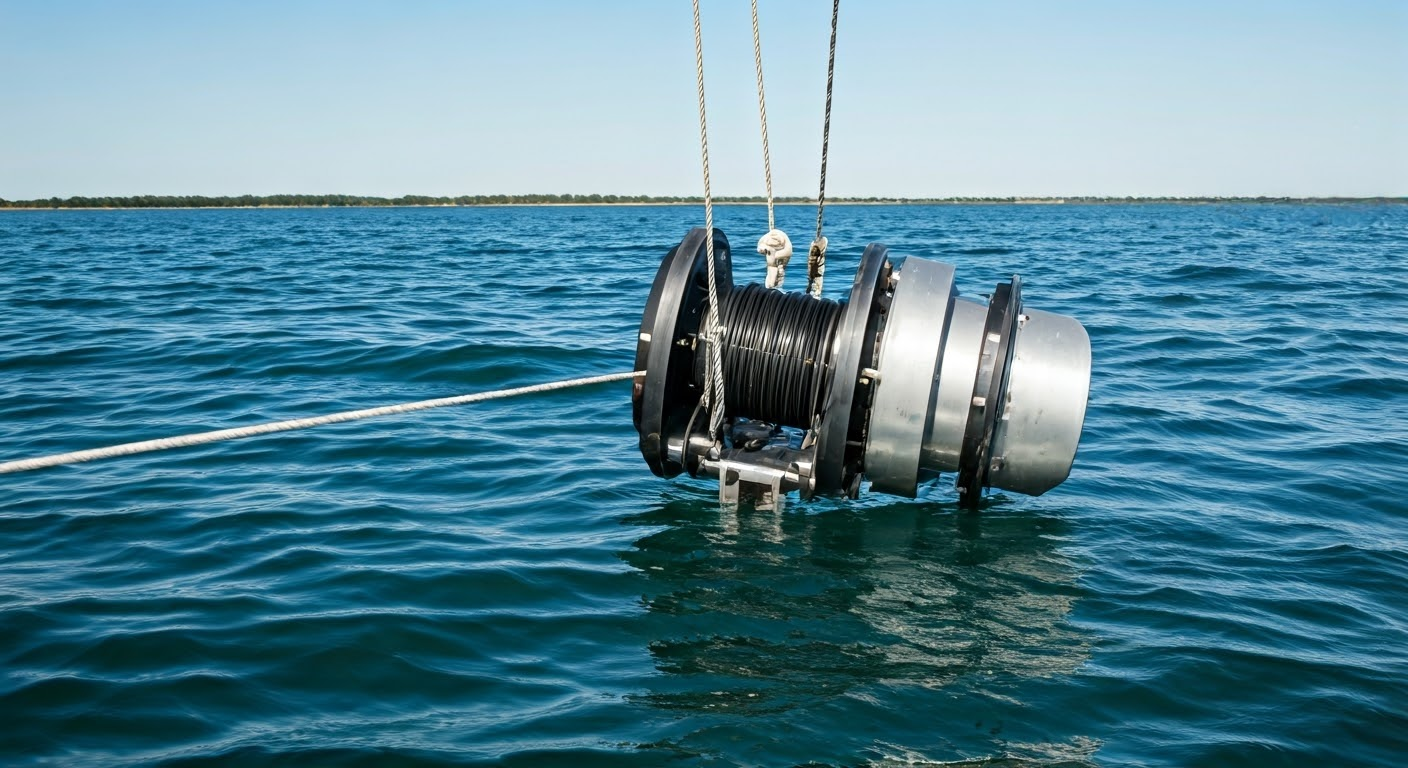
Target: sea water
1221, 581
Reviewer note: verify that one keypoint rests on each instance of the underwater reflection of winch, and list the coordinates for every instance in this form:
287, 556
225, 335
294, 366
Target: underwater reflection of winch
899, 383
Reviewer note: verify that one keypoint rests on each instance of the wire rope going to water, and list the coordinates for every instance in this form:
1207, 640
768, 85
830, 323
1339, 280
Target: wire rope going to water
200, 438
714, 376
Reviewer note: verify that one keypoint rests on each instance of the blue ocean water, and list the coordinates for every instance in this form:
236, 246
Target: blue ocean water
1220, 582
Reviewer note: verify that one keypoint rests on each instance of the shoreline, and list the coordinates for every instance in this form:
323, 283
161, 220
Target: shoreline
794, 203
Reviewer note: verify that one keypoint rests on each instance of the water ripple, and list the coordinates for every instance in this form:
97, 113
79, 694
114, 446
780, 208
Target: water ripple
1218, 583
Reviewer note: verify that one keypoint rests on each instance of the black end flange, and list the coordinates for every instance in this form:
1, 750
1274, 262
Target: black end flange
663, 399
989, 391
840, 450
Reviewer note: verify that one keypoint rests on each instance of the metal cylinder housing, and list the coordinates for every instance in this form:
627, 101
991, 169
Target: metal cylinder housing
902, 382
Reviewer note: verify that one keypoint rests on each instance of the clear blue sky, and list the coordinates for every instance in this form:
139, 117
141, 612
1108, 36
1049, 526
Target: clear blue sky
1113, 97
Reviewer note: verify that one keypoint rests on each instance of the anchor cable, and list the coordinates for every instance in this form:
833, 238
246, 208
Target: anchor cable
199, 438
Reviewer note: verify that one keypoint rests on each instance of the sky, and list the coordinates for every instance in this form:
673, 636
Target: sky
932, 99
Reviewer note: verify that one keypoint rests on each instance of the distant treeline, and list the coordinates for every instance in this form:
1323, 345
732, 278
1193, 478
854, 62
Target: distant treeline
344, 201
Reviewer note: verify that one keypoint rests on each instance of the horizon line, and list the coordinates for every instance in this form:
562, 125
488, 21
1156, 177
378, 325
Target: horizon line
289, 200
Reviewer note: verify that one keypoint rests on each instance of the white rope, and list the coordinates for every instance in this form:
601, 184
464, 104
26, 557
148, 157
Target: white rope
714, 374
775, 246
762, 111
199, 438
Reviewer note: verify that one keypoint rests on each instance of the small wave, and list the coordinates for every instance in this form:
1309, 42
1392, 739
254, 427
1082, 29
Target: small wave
507, 582
1210, 272
991, 250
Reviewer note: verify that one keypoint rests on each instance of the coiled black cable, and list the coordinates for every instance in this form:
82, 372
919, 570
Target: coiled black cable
777, 349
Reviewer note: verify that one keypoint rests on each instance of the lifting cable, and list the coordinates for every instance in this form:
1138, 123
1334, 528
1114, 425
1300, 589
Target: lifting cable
762, 112
816, 256
775, 246
714, 374
199, 438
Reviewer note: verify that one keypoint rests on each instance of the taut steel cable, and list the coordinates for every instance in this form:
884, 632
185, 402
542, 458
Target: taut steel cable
762, 112
199, 438
816, 258
714, 386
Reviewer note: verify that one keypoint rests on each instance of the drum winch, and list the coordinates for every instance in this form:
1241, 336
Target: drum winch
902, 381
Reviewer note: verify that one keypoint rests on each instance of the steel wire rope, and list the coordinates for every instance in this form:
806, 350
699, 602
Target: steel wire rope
714, 376
762, 112
219, 435
816, 260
